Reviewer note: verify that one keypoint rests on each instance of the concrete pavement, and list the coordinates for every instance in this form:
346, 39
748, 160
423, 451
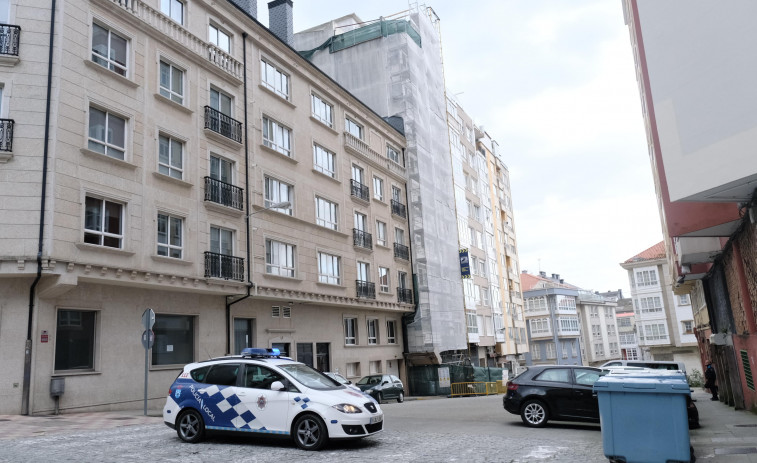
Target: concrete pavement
725, 436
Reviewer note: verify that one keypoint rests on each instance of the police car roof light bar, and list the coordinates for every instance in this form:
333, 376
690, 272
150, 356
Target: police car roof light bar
260, 352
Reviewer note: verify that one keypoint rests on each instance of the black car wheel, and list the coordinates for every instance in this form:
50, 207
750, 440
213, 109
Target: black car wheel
310, 432
401, 397
534, 413
190, 427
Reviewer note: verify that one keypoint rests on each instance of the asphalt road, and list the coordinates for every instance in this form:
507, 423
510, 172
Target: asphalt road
474, 429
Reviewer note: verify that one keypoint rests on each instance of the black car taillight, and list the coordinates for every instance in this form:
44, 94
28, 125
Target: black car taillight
511, 386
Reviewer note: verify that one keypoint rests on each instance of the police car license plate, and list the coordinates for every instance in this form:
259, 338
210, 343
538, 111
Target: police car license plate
376, 419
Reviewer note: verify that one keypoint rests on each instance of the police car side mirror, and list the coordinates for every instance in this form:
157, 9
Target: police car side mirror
278, 386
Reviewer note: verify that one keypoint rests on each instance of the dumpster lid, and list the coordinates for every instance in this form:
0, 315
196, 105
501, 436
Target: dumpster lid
651, 384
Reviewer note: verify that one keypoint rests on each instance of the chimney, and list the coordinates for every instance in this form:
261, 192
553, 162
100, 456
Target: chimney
280, 20
249, 6
542, 274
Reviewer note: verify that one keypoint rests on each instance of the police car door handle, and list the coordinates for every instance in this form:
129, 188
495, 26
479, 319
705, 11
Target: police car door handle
241, 393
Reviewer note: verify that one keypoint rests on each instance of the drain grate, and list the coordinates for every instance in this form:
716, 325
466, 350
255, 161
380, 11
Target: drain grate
745, 425
736, 451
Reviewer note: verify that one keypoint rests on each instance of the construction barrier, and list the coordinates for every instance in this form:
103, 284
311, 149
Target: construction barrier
477, 388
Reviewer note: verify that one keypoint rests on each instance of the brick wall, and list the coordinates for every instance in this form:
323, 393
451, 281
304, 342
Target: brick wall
747, 241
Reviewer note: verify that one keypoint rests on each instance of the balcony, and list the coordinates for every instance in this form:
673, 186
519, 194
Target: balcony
358, 146
401, 251
362, 239
399, 209
6, 139
220, 123
365, 289
223, 266
405, 295
9, 39
224, 193
358, 190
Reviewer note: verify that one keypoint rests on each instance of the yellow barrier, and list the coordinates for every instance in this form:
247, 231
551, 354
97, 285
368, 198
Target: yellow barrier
475, 388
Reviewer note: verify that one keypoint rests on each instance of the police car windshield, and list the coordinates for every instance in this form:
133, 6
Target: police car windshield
309, 377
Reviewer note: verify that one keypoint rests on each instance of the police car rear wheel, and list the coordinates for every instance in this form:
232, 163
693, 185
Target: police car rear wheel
190, 427
310, 432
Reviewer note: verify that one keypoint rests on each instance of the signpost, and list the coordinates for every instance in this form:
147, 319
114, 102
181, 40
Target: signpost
148, 338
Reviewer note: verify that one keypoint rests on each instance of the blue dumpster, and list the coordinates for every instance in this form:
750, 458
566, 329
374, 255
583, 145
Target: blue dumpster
644, 417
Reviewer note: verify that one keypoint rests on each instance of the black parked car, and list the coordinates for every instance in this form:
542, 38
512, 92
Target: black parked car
382, 387
561, 393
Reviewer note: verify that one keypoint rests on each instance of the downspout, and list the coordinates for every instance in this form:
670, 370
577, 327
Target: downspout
247, 201
28, 348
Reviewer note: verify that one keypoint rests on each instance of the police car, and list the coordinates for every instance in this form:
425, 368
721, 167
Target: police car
261, 392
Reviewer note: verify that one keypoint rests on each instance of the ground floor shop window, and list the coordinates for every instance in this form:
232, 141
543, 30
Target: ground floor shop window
174, 339
243, 334
75, 340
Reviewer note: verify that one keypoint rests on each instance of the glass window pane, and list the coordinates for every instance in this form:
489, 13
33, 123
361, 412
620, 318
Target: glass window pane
112, 218
174, 340
92, 214
75, 340
116, 131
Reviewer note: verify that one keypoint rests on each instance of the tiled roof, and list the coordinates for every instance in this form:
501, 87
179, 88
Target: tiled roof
529, 282
655, 252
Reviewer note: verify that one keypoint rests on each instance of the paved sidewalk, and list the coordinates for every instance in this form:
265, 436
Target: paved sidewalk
19, 426
726, 435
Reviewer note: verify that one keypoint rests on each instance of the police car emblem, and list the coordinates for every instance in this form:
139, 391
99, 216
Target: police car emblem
178, 393
261, 402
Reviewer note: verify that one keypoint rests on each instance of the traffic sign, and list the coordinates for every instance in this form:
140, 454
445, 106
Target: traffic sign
148, 342
148, 319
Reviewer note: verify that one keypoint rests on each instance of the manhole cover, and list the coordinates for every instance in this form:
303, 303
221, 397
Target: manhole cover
745, 425
736, 451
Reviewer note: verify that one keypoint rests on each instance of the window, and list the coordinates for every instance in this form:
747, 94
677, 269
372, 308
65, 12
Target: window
324, 161
221, 102
654, 332
539, 325
109, 49
378, 188
399, 236
396, 194
353, 128
393, 154
171, 82
221, 241
305, 353
564, 350
329, 269
103, 223
363, 271
353, 369
650, 304
169, 236
470, 318
383, 279
174, 340
551, 352
279, 258
485, 296
107, 133
326, 213
558, 375
646, 278
350, 332
596, 331
624, 322
358, 174
244, 329
684, 299
274, 79
372, 331
221, 169
259, 377
174, 9
599, 349
223, 374
391, 332
535, 353
276, 136
611, 330
688, 326
219, 38
402, 280
322, 111
380, 233
170, 157
75, 340
374, 367
276, 192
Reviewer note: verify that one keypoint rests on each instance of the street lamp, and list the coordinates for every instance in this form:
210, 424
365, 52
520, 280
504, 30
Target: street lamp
280, 205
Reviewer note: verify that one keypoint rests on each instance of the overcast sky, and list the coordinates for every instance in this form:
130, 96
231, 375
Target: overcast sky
553, 82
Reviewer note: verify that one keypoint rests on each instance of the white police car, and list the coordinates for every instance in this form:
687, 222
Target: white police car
260, 392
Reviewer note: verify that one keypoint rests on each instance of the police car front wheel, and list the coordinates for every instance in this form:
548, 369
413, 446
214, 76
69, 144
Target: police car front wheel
310, 432
190, 426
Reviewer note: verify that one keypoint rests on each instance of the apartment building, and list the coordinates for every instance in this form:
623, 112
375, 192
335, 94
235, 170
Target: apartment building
701, 138
629, 345
600, 337
552, 321
185, 159
664, 321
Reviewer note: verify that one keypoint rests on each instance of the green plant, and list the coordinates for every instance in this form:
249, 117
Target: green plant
696, 379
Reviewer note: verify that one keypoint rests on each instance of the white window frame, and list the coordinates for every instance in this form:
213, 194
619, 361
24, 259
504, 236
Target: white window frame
321, 110
391, 332
383, 280
107, 147
378, 188
276, 191
109, 62
350, 331
393, 154
274, 79
380, 233
171, 167
326, 213
101, 233
372, 331
173, 94
215, 34
324, 161
167, 247
277, 136
329, 268
279, 258
168, 8
551, 350
353, 128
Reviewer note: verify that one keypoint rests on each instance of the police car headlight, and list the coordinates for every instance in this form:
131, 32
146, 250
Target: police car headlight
348, 408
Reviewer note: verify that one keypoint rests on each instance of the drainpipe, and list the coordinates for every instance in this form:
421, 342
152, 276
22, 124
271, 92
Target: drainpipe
28, 347
247, 201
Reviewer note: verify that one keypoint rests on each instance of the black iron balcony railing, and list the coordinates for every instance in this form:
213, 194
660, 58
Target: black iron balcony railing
365, 289
405, 295
359, 190
223, 266
224, 193
6, 134
362, 239
401, 251
9, 39
221, 123
399, 209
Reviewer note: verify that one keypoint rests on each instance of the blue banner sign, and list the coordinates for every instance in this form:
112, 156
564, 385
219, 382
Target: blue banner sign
464, 263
